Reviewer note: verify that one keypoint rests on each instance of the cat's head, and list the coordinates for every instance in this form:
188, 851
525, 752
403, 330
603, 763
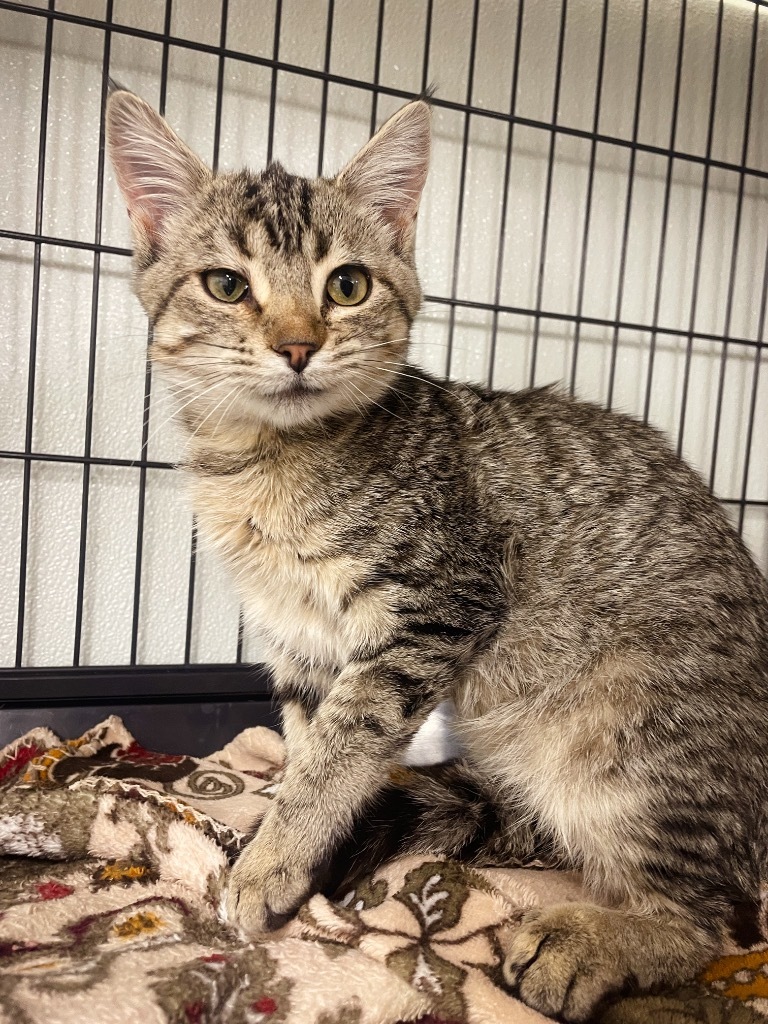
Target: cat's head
274, 299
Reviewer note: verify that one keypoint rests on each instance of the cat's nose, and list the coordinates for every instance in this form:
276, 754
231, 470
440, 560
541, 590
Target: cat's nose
297, 353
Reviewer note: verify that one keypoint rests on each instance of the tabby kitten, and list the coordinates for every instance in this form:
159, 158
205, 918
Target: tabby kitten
552, 567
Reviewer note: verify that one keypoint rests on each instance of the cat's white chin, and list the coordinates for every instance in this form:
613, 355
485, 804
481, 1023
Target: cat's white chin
293, 407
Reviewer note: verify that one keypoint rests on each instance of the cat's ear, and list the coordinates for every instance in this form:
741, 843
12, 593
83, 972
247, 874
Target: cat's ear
389, 172
157, 173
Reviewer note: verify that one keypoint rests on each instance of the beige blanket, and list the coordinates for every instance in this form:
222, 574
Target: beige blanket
114, 859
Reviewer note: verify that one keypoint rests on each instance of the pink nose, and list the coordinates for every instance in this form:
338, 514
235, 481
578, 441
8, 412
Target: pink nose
297, 353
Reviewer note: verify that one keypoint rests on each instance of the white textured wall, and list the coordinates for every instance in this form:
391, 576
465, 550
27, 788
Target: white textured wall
69, 212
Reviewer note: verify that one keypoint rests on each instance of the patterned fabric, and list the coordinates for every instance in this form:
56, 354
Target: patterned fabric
114, 862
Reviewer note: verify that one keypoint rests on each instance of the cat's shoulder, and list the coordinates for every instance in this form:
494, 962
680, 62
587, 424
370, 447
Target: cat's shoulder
555, 407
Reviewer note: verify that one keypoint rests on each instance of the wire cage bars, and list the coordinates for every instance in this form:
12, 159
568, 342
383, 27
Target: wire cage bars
596, 214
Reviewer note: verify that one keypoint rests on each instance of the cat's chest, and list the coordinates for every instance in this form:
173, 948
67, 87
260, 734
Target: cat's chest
302, 590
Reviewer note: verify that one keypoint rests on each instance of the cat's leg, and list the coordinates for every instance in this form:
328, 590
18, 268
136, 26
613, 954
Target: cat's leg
298, 691
566, 958
295, 719
668, 900
340, 766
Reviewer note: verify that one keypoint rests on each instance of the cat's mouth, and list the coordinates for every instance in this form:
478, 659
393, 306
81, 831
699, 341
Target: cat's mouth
296, 389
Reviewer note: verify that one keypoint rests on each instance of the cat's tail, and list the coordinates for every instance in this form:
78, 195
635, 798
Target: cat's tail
440, 810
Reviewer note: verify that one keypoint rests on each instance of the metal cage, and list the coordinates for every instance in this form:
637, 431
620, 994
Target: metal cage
598, 215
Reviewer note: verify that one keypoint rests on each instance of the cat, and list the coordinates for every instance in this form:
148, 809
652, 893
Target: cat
397, 540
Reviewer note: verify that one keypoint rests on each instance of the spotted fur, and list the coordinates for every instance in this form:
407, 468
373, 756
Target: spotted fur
397, 540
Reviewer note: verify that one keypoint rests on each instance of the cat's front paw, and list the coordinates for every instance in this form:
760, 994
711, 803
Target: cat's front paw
563, 962
264, 890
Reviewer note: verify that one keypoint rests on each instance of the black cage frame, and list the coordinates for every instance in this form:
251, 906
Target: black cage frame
83, 685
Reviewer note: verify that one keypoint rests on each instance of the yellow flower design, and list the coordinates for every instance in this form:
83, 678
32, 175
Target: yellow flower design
38, 771
743, 976
143, 923
121, 872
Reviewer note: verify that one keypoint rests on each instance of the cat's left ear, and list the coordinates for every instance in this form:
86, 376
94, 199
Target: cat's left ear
389, 172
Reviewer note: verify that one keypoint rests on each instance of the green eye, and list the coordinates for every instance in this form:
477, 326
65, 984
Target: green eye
225, 285
348, 286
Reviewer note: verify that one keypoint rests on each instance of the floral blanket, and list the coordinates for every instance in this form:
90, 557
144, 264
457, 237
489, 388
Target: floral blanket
113, 863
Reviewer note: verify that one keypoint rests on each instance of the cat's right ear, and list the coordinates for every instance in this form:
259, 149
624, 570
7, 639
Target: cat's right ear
157, 173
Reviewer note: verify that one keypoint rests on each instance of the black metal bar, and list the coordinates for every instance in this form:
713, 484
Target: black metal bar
548, 194
590, 192
115, 463
80, 460
68, 243
220, 83
462, 183
240, 638
188, 631
701, 226
147, 399
505, 191
427, 45
753, 395
734, 252
32, 365
357, 83
377, 65
273, 86
665, 213
84, 504
628, 206
192, 574
497, 307
597, 321
324, 95
141, 511
34, 687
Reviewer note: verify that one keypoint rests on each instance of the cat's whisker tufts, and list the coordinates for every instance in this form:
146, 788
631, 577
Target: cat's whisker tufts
238, 391
382, 344
372, 402
395, 391
210, 412
177, 410
356, 404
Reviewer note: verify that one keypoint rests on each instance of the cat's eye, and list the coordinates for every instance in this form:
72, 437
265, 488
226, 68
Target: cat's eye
225, 285
348, 286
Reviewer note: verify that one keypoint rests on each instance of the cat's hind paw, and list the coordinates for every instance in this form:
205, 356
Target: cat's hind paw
563, 962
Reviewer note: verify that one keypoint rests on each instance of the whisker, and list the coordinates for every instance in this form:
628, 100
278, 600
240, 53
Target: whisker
237, 393
394, 390
203, 376
212, 344
413, 376
210, 412
342, 352
367, 399
175, 387
381, 344
351, 397
177, 412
